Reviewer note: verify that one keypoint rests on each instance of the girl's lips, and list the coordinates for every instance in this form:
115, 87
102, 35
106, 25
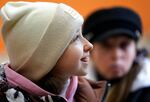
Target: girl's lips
85, 59
116, 67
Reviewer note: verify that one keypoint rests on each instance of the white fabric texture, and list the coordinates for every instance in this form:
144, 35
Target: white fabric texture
143, 78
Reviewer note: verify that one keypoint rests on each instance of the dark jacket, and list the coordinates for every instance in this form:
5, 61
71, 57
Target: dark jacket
141, 95
87, 91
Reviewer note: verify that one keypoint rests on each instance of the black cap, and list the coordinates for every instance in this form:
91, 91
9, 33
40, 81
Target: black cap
109, 22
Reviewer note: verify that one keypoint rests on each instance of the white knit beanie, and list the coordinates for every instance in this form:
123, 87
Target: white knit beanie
36, 35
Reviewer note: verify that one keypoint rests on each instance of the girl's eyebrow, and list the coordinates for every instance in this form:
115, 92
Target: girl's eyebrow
78, 30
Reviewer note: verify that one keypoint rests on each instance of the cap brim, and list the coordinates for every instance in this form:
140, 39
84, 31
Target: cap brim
116, 32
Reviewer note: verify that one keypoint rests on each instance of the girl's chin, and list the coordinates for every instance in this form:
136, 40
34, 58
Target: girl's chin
81, 73
115, 76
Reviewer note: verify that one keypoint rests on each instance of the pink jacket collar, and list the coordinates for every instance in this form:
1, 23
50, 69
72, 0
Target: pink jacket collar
15, 79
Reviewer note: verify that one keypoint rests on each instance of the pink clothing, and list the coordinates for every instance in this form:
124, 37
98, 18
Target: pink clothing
15, 79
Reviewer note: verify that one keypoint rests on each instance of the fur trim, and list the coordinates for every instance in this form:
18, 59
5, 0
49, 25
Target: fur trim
143, 78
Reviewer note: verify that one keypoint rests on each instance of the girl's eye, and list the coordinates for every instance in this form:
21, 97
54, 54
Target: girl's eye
76, 38
124, 45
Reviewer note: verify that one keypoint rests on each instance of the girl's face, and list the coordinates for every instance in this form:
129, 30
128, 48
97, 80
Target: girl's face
75, 59
114, 57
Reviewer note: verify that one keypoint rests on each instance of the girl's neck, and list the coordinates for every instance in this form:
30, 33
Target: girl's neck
56, 83
64, 90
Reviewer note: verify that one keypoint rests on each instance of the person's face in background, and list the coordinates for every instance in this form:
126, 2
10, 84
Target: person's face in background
75, 59
114, 57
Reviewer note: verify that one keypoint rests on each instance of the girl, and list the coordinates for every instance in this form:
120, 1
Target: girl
115, 33
47, 52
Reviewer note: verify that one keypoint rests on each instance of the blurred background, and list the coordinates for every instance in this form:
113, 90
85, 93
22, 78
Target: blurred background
85, 7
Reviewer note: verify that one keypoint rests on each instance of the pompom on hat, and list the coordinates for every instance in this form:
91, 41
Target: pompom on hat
36, 34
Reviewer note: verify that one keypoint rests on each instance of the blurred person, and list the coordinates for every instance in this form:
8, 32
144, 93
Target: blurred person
115, 33
41, 38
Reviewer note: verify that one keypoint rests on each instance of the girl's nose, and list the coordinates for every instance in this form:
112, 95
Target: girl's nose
87, 45
117, 53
